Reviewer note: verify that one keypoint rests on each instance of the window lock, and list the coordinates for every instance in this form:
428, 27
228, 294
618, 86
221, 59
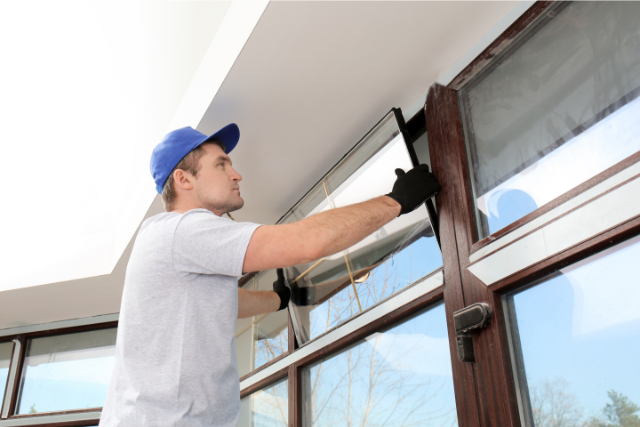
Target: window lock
476, 316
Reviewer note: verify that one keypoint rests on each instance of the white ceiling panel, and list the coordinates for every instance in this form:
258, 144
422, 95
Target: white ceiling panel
314, 77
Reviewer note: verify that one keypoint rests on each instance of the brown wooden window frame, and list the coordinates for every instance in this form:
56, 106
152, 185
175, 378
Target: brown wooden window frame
48, 417
508, 42
485, 390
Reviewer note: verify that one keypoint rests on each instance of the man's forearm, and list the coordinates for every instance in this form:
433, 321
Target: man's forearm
331, 231
254, 303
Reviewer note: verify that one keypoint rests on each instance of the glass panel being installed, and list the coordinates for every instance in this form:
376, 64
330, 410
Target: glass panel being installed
575, 337
63, 372
268, 407
397, 377
557, 111
331, 290
6, 350
260, 339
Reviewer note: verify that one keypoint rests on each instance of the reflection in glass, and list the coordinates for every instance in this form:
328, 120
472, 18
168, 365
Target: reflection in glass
331, 290
270, 334
557, 111
69, 371
397, 377
266, 408
260, 339
576, 336
6, 350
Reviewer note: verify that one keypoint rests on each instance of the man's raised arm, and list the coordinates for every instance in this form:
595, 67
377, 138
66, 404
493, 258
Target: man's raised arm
329, 232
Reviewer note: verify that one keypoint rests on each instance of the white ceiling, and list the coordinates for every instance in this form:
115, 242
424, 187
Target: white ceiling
314, 77
311, 80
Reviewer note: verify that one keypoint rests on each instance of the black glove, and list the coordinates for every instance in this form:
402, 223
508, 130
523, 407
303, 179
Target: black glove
280, 288
413, 188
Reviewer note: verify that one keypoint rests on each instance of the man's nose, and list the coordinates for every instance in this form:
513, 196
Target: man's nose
235, 175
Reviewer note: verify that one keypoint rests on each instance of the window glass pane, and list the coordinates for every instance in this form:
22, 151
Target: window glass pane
421, 147
6, 350
244, 345
559, 110
69, 371
329, 291
576, 341
271, 331
266, 408
397, 377
260, 339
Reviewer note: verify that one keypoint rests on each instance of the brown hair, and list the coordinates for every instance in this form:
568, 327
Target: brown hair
189, 163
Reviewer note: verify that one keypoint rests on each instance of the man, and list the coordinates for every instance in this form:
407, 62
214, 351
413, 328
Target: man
175, 362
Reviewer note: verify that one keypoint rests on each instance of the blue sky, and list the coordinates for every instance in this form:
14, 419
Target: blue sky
583, 326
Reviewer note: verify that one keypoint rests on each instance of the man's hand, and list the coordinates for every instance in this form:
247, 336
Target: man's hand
413, 188
283, 291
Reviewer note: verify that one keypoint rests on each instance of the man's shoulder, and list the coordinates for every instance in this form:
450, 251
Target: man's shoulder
158, 219
193, 221
193, 215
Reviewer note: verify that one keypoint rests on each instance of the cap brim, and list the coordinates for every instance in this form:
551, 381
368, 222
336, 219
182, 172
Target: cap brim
228, 135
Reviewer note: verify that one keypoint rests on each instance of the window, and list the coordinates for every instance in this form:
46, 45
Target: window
260, 339
576, 336
400, 376
555, 110
377, 308
329, 291
63, 372
268, 407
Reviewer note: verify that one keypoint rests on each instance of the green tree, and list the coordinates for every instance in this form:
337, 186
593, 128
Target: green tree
621, 412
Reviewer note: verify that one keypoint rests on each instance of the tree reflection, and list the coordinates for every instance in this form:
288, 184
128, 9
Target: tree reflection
381, 382
269, 407
554, 405
267, 349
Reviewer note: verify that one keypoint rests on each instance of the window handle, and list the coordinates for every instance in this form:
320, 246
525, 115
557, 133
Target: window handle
473, 317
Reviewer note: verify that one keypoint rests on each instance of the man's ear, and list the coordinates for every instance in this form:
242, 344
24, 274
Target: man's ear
182, 179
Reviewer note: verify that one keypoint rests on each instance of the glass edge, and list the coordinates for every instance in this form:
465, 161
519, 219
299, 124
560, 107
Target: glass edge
516, 369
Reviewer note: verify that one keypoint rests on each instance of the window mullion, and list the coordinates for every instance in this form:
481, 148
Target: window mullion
13, 381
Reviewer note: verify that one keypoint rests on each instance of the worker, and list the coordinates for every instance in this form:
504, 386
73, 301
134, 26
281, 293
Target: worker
175, 362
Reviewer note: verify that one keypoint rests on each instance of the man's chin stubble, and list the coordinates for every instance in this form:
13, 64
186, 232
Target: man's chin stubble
228, 206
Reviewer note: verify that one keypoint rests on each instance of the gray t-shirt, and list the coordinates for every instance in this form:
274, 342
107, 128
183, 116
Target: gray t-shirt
175, 362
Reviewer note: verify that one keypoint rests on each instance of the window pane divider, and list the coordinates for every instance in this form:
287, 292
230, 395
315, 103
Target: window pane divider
96, 321
39, 420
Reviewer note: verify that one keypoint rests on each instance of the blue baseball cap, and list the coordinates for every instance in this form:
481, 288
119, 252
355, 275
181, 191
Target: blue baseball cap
179, 143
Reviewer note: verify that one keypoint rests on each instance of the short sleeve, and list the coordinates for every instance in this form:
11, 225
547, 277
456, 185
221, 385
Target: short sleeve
204, 243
